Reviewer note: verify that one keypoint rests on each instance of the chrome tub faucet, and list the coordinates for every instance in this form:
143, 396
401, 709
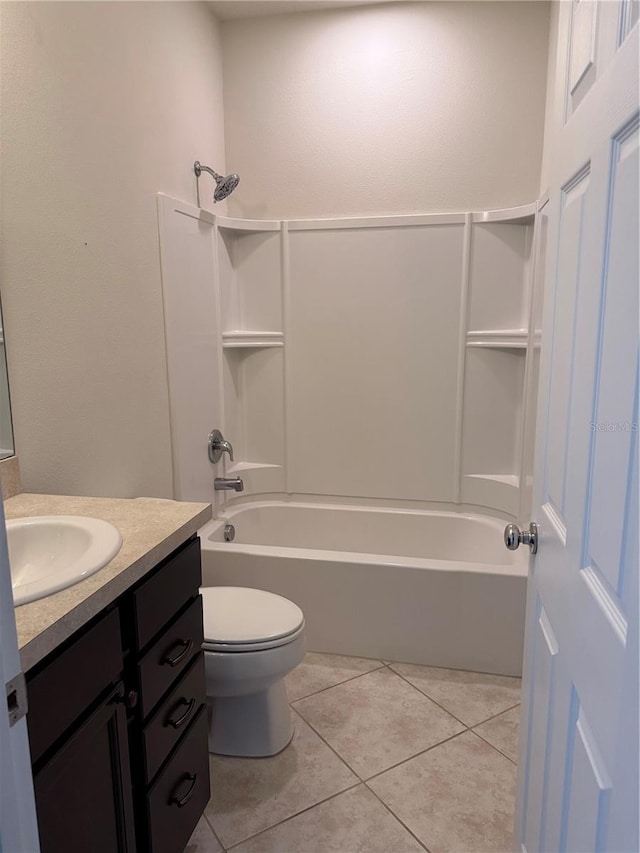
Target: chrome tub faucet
223, 484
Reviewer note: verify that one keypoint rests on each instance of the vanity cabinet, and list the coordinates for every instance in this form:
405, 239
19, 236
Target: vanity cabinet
118, 724
164, 662
80, 745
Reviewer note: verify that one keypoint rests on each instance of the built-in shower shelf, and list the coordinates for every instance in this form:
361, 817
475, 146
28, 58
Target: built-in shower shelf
252, 340
500, 491
498, 338
258, 476
239, 467
243, 225
522, 215
506, 479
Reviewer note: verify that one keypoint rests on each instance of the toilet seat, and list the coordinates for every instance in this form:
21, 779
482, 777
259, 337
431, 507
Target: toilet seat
240, 619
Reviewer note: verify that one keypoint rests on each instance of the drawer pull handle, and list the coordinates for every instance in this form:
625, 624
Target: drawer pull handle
174, 800
188, 645
175, 724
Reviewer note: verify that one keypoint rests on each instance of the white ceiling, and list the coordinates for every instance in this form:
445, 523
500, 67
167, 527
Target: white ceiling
229, 9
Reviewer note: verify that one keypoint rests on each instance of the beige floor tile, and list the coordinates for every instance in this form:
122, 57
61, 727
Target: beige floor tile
203, 840
252, 794
353, 822
319, 671
502, 732
458, 796
472, 697
376, 721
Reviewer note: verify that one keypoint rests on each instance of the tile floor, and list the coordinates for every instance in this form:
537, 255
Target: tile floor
386, 758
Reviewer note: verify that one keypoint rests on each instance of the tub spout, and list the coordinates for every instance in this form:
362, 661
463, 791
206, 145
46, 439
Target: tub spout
221, 484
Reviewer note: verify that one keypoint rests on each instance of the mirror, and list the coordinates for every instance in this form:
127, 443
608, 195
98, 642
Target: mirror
6, 429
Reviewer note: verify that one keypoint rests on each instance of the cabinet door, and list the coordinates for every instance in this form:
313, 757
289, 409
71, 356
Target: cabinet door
83, 793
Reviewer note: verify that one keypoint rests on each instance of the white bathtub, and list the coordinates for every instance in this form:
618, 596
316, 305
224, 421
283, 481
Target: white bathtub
435, 588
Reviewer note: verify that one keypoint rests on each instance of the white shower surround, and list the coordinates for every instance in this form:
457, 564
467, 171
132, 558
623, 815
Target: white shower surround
434, 588
310, 338
257, 314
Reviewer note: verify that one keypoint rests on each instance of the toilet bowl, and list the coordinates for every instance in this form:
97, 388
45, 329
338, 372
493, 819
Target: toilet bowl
252, 639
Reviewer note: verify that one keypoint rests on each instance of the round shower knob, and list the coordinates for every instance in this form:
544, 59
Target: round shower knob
514, 537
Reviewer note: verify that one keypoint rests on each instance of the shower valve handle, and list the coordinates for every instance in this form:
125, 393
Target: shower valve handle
217, 446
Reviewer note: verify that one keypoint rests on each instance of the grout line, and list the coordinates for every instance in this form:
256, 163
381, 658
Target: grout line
393, 814
326, 743
392, 766
493, 716
493, 746
296, 814
337, 684
215, 835
360, 780
451, 714
404, 760
426, 695
411, 757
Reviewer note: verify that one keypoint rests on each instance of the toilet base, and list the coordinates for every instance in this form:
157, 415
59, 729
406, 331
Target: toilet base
251, 726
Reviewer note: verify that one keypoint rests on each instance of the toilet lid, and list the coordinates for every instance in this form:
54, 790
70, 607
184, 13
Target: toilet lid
239, 615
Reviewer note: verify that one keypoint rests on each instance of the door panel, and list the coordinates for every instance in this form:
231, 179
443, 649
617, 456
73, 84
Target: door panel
616, 378
587, 786
583, 584
582, 55
545, 669
570, 240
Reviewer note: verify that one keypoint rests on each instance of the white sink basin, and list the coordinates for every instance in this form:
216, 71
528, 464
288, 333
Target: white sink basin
48, 553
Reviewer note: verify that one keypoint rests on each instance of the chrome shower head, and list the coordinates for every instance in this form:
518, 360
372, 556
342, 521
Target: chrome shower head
224, 185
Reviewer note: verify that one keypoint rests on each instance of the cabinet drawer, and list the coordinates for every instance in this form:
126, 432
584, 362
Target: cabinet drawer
72, 681
171, 720
173, 584
178, 797
170, 656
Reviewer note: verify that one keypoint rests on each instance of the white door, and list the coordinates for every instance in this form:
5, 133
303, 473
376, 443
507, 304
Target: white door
578, 769
18, 826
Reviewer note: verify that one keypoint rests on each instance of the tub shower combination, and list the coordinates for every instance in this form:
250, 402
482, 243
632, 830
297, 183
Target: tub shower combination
434, 588
376, 377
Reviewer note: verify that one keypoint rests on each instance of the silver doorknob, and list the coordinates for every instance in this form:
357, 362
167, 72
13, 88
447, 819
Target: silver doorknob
514, 537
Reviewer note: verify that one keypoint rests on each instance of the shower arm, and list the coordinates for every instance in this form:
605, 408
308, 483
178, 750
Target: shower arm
198, 168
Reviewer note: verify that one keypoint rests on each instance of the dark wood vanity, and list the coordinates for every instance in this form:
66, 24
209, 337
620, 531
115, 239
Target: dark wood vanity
118, 723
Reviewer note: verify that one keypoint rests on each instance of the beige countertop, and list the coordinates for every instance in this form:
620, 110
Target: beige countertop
150, 528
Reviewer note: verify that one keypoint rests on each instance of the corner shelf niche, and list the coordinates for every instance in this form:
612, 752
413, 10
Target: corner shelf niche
253, 390
497, 344
500, 491
498, 338
250, 279
249, 272
241, 339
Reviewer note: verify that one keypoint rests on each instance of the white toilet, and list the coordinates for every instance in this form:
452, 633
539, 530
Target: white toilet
252, 639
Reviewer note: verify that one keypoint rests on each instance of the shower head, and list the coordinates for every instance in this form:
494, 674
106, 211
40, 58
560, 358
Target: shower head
224, 185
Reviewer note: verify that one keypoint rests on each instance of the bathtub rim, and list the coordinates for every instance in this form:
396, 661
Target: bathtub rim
518, 568
231, 500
